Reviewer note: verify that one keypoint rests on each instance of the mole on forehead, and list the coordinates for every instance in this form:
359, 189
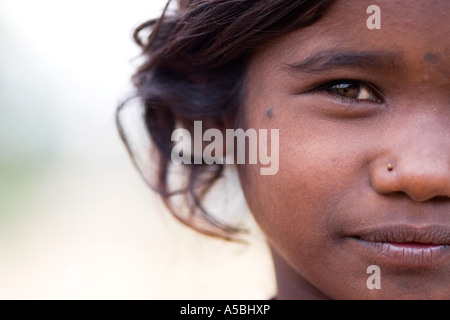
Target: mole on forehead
431, 58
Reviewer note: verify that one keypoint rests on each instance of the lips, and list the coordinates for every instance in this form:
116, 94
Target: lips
405, 246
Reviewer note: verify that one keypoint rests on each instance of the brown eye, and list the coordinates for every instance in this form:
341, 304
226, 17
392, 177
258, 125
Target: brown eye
352, 90
346, 90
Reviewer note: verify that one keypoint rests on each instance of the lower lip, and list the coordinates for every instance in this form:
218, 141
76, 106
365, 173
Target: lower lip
405, 255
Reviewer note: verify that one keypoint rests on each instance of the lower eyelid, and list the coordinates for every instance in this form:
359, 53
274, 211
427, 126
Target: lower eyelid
368, 86
347, 100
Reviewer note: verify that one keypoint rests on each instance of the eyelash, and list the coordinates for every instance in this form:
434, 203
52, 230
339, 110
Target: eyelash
326, 88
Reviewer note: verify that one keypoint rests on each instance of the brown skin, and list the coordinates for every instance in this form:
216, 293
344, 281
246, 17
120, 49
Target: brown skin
333, 177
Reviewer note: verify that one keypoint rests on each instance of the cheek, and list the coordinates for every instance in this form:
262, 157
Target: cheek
301, 208
293, 207
296, 208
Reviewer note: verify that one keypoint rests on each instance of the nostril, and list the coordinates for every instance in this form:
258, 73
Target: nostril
428, 196
440, 199
412, 177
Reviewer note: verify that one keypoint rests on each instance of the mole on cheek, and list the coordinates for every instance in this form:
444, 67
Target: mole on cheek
269, 113
403, 285
431, 58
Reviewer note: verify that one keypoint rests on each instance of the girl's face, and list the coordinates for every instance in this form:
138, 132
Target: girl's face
364, 177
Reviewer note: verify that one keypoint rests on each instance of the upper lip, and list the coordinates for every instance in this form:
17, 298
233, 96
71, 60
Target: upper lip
430, 234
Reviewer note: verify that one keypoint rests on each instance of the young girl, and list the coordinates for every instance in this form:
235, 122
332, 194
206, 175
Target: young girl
359, 206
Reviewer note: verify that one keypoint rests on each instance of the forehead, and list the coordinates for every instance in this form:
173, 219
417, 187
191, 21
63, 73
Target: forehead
414, 27
413, 44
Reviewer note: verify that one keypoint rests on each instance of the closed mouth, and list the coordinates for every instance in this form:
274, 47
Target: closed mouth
405, 246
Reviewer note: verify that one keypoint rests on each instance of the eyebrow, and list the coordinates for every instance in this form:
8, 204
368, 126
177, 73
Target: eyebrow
331, 59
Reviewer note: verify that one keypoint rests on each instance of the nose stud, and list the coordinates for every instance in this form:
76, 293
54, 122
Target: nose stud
390, 167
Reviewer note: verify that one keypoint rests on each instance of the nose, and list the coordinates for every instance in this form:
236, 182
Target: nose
416, 166
418, 178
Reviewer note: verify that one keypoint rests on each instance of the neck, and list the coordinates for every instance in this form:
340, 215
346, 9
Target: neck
291, 285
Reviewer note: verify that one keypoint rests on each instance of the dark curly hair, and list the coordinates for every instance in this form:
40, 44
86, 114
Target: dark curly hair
195, 60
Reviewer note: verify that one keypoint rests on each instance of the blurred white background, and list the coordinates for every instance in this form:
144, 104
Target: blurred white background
76, 220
